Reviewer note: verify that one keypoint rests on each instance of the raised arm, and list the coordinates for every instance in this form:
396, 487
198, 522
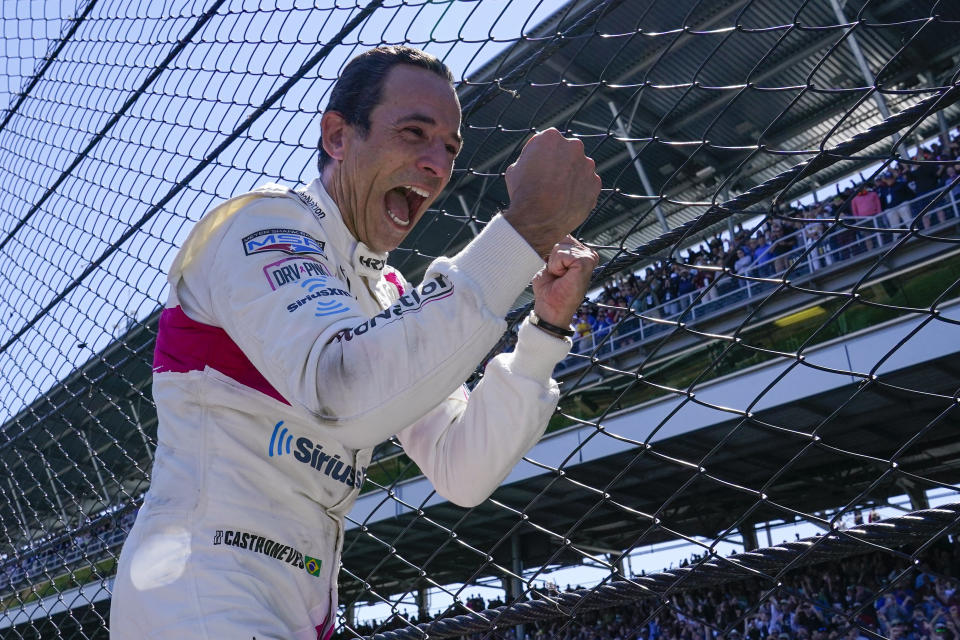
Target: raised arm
468, 445
366, 376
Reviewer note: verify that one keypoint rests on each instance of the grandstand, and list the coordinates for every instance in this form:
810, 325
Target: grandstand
703, 404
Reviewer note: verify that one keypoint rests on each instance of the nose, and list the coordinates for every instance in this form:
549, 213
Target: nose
435, 159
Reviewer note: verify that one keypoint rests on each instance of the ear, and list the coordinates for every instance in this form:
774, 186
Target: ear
333, 134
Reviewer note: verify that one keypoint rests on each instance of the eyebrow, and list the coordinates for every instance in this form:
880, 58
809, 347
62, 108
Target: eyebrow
421, 117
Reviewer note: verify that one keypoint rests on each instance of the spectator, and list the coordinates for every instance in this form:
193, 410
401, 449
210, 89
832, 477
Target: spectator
922, 179
890, 612
812, 234
762, 255
783, 243
944, 629
582, 326
605, 323
894, 194
671, 286
656, 288
808, 617
866, 204
703, 279
685, 284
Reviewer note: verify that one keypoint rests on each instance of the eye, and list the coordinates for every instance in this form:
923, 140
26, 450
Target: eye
452, 149
417, 132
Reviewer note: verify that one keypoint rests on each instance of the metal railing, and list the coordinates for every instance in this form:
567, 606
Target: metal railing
846, 244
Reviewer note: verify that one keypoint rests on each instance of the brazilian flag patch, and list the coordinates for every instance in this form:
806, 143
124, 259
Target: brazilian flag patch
312, 565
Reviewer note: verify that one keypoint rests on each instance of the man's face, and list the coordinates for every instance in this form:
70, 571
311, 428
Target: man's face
389, 176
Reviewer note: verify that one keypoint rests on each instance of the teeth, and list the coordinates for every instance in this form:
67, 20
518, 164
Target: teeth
400, 222
423, 193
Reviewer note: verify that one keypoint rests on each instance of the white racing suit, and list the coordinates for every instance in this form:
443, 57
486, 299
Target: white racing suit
286, 351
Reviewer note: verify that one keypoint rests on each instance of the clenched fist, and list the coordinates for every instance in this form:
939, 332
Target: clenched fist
553, 186
560, 286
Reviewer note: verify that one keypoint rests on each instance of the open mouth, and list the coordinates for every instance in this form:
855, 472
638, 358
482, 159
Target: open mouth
403, 204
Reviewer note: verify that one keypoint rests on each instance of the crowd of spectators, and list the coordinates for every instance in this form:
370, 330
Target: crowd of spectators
869, 215
856, 598
63, 551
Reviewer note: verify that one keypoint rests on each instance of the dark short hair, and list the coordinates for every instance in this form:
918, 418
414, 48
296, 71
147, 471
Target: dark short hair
357, 90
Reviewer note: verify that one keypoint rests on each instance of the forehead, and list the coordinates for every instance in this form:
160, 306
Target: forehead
409, 90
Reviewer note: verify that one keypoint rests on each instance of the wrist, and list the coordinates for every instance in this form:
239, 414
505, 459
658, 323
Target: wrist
551, 315
539, 236
560, 331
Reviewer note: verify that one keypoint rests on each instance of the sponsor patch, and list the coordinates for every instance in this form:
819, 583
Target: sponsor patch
436, 288
309, 453
278, 439
372, 263
313, 204
283, 272
289, 241
319, 289
265, 546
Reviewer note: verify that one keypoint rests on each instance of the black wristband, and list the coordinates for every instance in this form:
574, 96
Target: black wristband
553, 329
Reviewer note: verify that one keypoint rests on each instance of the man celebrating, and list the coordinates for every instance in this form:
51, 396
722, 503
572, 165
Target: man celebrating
288, 349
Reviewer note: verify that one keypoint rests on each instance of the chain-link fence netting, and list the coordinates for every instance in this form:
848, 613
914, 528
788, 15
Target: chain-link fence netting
769, 348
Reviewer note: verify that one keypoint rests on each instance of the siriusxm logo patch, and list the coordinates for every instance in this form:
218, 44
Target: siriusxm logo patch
318, 290
309, 453
288, 241
279, 439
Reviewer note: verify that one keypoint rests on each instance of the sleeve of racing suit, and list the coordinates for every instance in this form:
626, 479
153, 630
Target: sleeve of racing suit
468, 445
367, 378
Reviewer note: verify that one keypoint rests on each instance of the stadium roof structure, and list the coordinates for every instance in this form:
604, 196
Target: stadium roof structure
713, 97
677, 88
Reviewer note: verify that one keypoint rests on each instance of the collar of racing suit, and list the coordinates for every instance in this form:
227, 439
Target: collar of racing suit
366, 262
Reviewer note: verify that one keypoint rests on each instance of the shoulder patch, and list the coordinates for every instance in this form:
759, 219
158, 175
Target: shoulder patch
311, 203
289, 241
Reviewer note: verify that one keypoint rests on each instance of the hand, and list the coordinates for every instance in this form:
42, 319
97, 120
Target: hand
560, 286
553, 186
